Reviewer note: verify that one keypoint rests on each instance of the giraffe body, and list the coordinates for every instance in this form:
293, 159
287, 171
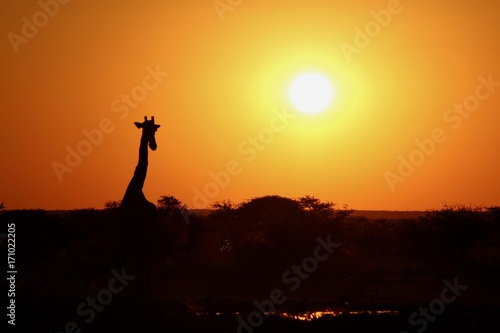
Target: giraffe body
140, 215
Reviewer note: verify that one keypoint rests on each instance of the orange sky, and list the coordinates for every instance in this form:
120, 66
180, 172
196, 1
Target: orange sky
228, 70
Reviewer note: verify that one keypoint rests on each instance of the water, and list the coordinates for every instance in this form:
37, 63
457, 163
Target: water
311, 315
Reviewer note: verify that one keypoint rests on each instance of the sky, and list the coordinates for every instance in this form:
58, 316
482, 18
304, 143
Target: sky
413, 125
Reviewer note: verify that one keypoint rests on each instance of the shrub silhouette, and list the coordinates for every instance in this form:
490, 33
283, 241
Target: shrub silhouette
457, 227
112, 204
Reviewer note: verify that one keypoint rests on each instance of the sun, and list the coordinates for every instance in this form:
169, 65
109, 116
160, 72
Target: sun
311, 93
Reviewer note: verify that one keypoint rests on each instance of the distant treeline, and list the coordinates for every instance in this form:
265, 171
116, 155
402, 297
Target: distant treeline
267, 228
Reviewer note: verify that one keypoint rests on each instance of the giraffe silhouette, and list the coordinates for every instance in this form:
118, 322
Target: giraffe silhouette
140, 215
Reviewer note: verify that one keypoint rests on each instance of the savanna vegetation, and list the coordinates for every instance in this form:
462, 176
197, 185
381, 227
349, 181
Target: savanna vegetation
223, 258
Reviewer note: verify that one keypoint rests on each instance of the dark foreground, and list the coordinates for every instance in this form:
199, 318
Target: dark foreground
125, 316
260, 269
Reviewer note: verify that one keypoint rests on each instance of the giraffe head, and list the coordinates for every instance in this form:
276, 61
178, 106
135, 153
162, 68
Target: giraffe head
148, 130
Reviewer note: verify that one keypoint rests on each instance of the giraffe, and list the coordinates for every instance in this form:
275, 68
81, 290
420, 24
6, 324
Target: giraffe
140, 215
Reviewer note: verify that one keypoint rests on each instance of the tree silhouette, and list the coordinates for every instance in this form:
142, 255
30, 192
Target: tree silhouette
2, 206
175, 226
458, 226
168, 205
494, 212
224, 206
310, 203
270, 208
112, 204
323, 210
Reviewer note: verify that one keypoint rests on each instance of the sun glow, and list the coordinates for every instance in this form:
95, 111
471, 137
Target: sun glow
311, 93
